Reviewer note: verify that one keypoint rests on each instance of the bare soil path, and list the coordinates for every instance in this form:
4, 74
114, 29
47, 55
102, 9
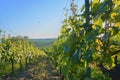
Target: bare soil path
40, 70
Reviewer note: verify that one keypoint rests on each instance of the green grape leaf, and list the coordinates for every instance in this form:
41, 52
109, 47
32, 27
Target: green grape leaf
76, 56
67, 49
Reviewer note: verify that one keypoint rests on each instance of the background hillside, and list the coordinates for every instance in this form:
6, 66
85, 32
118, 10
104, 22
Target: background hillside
42, 43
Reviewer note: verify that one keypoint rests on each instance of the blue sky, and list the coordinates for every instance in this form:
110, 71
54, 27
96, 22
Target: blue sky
33, 18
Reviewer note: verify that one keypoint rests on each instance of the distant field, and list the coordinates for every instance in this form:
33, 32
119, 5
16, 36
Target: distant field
43, 43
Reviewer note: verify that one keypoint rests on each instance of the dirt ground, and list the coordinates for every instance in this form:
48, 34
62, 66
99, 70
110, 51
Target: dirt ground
40, 70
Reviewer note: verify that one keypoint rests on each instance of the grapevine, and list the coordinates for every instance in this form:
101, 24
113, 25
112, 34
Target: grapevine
88, 42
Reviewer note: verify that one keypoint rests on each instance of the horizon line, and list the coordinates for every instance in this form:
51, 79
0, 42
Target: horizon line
43, 38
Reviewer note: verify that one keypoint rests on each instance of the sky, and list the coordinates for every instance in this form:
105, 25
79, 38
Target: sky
33, 18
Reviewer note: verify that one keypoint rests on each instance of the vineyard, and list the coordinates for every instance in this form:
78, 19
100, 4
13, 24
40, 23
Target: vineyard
89, 45
16, 53
87, 48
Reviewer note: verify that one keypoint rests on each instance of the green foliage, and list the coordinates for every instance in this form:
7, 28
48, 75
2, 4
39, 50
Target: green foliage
88, 39
16, 51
